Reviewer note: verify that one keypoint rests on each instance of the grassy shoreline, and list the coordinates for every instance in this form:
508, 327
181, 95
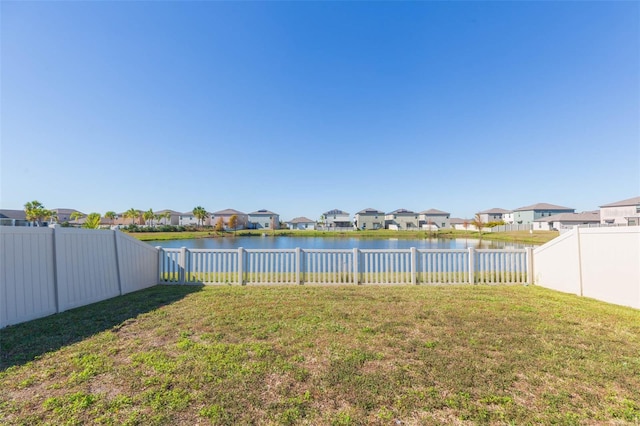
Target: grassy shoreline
522, 237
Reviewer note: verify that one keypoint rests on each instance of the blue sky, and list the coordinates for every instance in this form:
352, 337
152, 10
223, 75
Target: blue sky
302, 107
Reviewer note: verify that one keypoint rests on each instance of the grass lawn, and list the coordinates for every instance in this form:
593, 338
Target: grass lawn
343, 355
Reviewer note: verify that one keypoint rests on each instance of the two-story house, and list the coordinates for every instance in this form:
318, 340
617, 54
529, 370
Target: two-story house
428, 219
401, 220
625, 212
493, 215
369, 219
335, 218
528, 214
225, 215
263, 219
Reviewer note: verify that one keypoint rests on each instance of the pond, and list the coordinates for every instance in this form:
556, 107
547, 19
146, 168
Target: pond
285, 242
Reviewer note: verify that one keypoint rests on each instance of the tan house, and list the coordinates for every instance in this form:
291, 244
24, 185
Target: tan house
225, 215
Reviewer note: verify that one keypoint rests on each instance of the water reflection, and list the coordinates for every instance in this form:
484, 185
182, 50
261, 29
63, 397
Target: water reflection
270, 242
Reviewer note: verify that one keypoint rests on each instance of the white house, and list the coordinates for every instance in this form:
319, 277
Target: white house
301, 223
336, 219
565, 221
493, 215
188, 218
625, 212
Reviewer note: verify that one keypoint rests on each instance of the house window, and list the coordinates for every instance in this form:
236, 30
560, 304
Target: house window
266, 225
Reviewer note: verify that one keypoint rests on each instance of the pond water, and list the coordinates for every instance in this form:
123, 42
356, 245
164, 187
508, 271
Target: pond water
282, 242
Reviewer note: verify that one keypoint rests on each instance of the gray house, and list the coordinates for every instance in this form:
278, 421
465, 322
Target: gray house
13, 218
434, 218
625, 212
264, 219
528, 214
564, 221
492, 215
369, 219
401, 220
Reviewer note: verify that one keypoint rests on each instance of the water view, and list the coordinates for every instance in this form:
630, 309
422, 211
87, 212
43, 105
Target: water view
269, 242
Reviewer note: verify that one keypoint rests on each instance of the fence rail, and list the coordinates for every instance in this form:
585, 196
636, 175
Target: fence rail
354, 266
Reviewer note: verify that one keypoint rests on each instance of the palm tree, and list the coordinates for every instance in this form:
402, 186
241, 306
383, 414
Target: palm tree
166, 216
148, 217
92, 222
34, 211
201, 214
132, 214
111, 216
50, 215
75, 215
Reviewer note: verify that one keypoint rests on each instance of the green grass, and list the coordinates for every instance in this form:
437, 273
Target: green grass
330, 355
522, 237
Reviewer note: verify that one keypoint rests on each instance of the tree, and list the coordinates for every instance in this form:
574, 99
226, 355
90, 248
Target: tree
132, 214
148, 217
35, 212
111, 216
219, 227
75, 215
166, 216
201, 214
477, 222
233, 222
92, 221
50, 215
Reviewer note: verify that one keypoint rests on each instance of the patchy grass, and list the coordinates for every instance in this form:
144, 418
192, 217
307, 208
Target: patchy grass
335, 355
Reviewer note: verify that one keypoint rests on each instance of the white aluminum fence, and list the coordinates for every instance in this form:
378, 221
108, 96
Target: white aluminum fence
47, 270
355, 266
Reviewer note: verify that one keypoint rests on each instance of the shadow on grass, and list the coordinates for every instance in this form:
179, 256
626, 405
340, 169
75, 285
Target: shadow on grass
24, 342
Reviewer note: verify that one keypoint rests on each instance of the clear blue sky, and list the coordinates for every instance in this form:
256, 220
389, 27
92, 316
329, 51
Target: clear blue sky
302, 107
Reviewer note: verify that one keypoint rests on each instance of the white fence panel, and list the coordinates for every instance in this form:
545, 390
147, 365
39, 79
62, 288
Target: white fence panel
27, 274
270, 267
602, 263
443, 266
501, 266
137, 263
328, 266
211, 266
86, 267
386, 266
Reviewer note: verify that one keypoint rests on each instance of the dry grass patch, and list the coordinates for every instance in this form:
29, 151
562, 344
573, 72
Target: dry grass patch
344, 355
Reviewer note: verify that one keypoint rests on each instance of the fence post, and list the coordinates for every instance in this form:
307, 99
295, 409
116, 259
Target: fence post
182, 265
160, 264
298, 264
472, 265
414, 266
240, 265
56, 277
356, 266
117, 252
529, 266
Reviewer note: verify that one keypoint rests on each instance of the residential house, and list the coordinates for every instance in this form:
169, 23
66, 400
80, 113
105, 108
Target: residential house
528, 214
13, 218
301, 223
565, 221
625, 212
462, 224
369, 219
401, 220
492, 215
428, 219
507, 217
335, 219
64, 215
264, 219
225, 215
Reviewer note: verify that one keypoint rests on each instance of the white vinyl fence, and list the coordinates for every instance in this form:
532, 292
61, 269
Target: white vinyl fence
602, 263
48, 270
351, 266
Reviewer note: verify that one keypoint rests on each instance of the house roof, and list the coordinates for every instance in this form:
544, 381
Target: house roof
226, 212
13, 214
494, 210
66, 211
334, 211
628, 202
434, 212
370, 211
402, 211
263, 211
173, 212
542, 206
301, 219
460, 221
593, 216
